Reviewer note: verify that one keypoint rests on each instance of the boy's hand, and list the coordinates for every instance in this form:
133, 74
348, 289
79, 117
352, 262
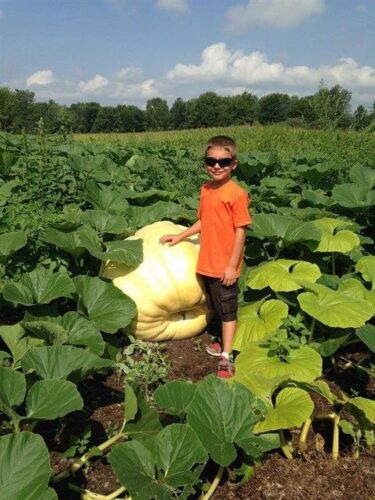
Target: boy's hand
172, 239
229, 276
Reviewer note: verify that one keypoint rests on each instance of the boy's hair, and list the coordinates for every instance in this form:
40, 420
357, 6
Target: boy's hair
222, 141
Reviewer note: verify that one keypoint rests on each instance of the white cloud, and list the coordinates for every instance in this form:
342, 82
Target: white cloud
129, 74
219, 64
278, 13
94, 84
180, 6
42, 77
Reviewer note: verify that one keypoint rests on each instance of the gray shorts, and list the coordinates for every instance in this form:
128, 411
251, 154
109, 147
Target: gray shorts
221, 298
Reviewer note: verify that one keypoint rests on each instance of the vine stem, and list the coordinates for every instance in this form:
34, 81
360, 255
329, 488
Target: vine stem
284, 446
312, 329
90, 495
214, 484
336, 437
304, 432
86, 457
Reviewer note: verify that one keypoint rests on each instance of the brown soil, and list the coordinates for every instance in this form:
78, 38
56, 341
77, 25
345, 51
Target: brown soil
312, 476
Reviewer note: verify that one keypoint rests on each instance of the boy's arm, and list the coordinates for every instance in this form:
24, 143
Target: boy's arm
229, 275
173, 239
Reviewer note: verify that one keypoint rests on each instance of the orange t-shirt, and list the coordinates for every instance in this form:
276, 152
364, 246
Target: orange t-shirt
220, 211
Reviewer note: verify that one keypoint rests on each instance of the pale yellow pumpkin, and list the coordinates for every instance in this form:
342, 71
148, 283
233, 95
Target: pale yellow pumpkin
170, 300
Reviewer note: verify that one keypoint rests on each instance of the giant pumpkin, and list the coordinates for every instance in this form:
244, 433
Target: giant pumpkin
169, 297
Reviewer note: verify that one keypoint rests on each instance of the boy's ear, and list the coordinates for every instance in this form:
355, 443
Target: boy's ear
235, 164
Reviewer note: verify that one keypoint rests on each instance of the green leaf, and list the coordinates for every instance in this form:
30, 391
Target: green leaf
305, 365
12, 387
258, 320
366, 266
128, 252
146, 424
106, 199
334, 308
367, 334
176, 453
38, 287
59, 362
353, 195
293, 406
104, 222
131, 403
75, 242
104, 304
363, 175
175, 396
50, 399
162, 210
280, 227
17, 341
10, 243
336, 338
256, 446
222, 415
334, 237
282, 275
24, 467
367, 406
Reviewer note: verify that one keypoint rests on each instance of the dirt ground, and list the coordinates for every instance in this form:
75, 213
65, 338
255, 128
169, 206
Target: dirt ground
311, 477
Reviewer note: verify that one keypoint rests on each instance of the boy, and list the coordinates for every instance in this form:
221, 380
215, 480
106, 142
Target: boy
222, 219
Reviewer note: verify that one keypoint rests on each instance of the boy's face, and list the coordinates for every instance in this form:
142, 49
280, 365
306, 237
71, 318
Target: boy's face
220, 174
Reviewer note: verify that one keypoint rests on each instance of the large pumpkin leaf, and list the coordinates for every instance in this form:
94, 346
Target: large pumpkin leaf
50, 399
10, 243
75, 241
24, 467
353, 195
292, 407
257, 320
12, 387
106, 199
334, 236
104, 304
161, 210
366, 266
282, 275
367, 406
103, 222
367, 334
222, 415
363, 175
354, 288
175, 396
317, 172
17, 341
38, 287
334, 308
170, 468
304, 365
128, 252
280, 227
59, 362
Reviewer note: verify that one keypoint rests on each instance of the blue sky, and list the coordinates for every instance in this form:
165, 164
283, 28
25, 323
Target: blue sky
127, 51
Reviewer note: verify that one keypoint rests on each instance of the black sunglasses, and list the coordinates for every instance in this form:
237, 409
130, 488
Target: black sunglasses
223, 162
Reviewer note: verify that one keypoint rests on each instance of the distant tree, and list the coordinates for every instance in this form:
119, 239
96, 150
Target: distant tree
300, 107
84, 115
273, 108
332, 106
361, 118
132, 119
6, 109
208, 110
178, 114
107, 120
157, 114
240, 109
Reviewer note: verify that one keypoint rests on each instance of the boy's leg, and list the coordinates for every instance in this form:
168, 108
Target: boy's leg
229, 331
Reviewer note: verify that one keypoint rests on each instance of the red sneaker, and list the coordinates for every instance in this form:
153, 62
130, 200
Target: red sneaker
213, 349
225, 368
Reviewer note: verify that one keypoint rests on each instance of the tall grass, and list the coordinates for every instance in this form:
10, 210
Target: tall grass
345, 146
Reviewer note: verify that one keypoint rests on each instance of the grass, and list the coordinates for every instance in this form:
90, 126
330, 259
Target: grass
347, 147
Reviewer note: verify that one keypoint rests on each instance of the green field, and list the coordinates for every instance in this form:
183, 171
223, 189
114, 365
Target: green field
345, 146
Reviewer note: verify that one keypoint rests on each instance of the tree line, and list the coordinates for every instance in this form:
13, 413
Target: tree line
328, 108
